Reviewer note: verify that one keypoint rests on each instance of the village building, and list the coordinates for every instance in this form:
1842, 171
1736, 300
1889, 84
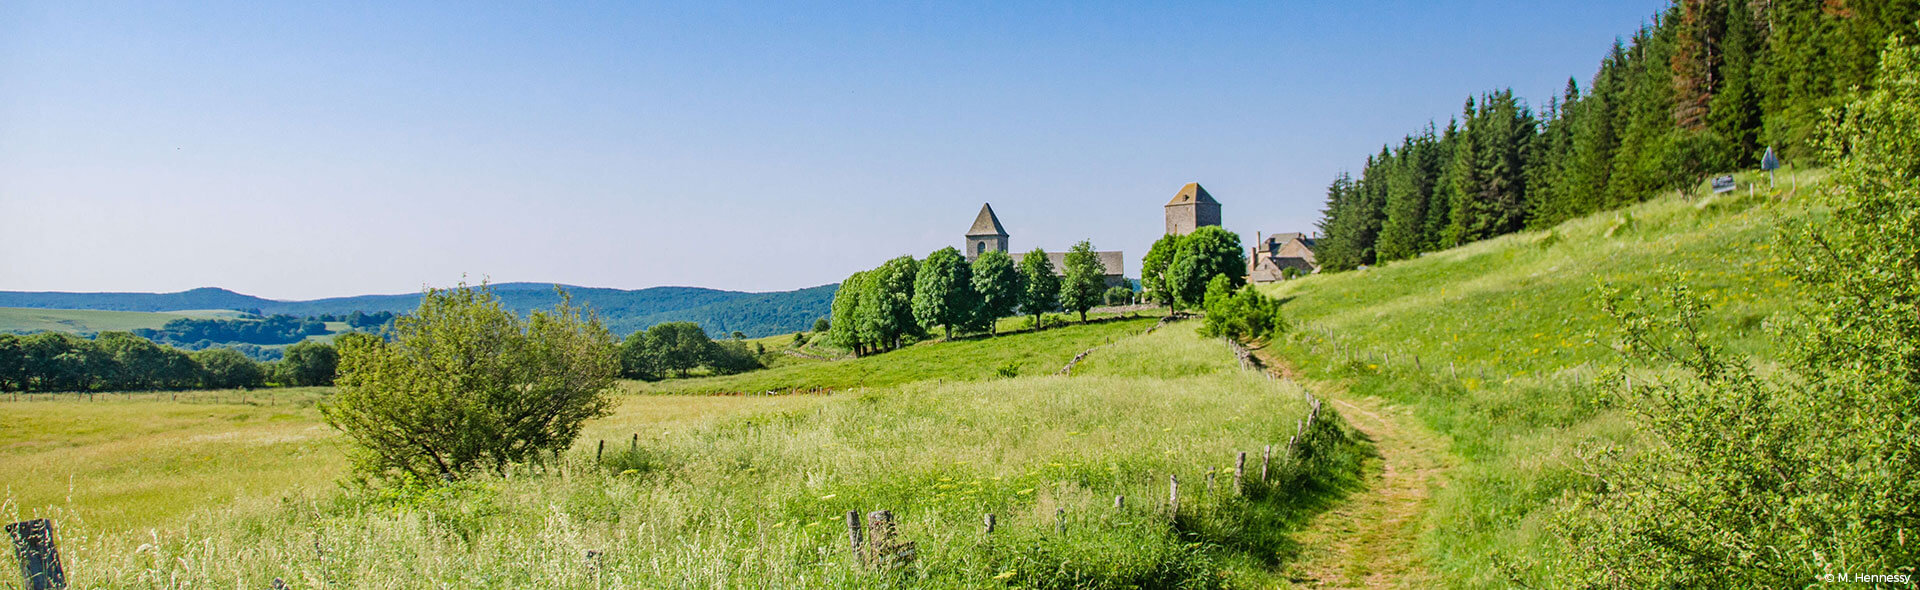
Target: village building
1275, 254
1191, 208
987, 235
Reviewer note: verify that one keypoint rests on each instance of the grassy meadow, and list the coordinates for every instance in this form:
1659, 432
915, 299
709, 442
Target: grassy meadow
89, 321
1029, 352
726, 491
1501, 345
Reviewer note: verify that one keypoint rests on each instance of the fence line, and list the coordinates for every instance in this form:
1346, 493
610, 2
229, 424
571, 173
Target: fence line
1068, 370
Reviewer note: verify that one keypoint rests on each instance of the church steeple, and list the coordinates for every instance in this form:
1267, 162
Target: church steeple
986, 233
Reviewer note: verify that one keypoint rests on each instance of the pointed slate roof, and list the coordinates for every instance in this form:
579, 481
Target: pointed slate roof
986, 224
1192, 193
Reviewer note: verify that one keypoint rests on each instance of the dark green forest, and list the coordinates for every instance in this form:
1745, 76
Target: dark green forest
1704, 88
622, 311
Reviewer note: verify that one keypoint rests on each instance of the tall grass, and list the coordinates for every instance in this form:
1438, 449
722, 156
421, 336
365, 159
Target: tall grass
1510, 342
758, 499
1025, 353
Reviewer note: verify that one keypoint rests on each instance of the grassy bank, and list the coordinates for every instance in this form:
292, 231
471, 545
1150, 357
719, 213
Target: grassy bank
1498, 345
1040, 352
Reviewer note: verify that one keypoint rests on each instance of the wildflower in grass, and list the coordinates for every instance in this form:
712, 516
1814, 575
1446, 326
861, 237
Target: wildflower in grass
829, 496
1006, 574
1025, 491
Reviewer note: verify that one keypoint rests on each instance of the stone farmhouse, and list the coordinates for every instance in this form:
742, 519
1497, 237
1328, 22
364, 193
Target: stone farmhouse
987, 235
1274, 254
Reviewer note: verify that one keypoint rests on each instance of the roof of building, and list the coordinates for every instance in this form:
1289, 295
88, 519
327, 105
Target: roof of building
1273, 242
1115, 261
1192, 193
986, 223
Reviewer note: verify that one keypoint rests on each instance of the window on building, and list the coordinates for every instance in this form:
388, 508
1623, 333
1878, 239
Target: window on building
979, 248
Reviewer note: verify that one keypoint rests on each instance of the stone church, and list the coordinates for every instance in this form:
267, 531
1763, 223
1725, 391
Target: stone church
987, 235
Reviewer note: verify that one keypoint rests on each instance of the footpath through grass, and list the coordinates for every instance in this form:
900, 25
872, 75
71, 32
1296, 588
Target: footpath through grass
1498, 345
758, 498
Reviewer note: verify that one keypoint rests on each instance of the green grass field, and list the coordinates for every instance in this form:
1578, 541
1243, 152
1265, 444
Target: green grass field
88, 321
722, 491
1027, 353
1509, 337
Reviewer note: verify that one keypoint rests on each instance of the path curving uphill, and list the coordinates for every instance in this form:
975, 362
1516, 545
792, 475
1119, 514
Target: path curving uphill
1372, 538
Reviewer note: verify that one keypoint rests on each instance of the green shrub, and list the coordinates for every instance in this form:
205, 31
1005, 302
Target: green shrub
468, 385
1778, 480
1242, 313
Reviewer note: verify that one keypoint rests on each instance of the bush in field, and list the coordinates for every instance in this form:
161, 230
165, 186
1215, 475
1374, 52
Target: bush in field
680, 347
1197, 258
308, 363
1769, 481
468, 385
1118, 296
1242, 313
226, 368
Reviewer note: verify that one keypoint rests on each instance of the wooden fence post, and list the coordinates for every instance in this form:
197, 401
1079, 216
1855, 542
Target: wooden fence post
1240, 474
1119, 502
854, 540
989, 523
599, 452
1209, 481
1173, 493
1266, 460
634, 447
39, 558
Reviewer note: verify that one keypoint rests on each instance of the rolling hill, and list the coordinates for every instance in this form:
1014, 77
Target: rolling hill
623, 311
1502, 346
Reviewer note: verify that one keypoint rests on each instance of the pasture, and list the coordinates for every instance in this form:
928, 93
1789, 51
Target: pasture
711, 491
90, 321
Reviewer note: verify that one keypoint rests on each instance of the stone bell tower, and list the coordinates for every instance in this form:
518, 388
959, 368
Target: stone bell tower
986, 235
1191, 209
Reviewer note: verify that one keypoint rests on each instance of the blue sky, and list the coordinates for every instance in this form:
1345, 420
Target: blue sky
294, 151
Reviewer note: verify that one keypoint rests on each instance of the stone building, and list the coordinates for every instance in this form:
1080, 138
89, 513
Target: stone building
1191, 209
987, 235
1274, 254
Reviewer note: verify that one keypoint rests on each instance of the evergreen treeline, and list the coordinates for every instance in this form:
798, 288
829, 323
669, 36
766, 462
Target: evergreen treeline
1704, 88
122, 361
905, 299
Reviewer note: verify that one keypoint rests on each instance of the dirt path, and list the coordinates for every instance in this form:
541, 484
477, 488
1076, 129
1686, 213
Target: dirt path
1372, 539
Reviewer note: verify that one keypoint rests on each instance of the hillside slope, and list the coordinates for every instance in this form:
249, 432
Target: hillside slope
1498, 345
623, 311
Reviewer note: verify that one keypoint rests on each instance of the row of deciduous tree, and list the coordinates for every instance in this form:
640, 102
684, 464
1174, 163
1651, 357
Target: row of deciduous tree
1176, 270
904, 299
1702, 89
121, 361
677, 348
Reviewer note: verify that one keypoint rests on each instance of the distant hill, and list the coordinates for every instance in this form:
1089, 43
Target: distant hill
623, 311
